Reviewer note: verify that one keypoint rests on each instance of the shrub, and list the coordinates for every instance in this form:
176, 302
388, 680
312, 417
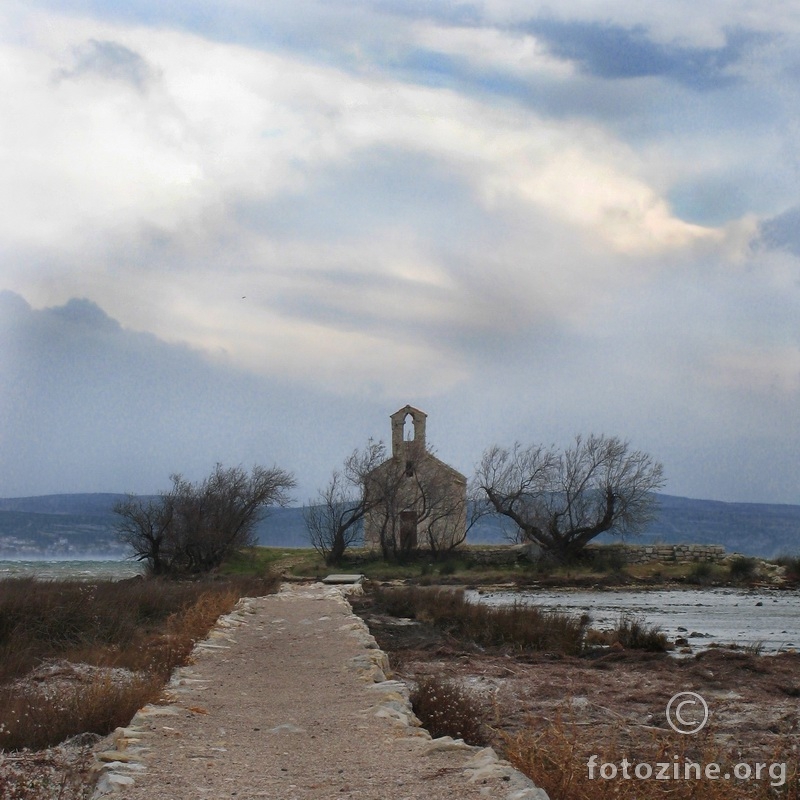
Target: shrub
606, 559
634, 634
742, 568
701, 573
792, 566
448, 567
194, 528
446, 709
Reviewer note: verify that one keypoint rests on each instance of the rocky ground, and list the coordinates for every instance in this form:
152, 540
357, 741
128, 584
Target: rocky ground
613, 700
59, 773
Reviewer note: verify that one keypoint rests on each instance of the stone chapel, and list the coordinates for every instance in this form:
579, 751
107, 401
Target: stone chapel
420, 502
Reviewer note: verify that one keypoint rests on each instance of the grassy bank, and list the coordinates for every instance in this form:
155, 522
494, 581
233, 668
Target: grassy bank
600, 567
517, 628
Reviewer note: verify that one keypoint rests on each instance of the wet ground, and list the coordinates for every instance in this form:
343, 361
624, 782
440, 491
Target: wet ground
767, 618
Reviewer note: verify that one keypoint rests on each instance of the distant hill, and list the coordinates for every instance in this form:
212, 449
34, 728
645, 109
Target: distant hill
75, 525
63, 504
756, 529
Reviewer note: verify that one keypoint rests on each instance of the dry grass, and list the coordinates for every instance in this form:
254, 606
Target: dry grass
36, 718
446, 709
632, 633
555, 753
519, 627
136, 631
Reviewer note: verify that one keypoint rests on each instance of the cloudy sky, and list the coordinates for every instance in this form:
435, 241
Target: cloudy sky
247, 232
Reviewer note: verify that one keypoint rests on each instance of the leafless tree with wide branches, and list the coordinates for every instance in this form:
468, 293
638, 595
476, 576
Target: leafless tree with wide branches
561, 500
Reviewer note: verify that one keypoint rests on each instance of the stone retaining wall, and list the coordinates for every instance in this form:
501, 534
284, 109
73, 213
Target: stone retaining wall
502, 556
628, 553
681, 553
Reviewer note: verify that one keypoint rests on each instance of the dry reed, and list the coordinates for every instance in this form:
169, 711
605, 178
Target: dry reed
555, 754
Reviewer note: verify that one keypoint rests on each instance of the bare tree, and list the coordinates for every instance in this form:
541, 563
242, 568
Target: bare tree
144, 526
563, 500
193, 528
335, 520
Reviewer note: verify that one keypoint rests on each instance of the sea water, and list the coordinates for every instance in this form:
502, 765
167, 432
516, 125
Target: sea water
763, 617
85, 570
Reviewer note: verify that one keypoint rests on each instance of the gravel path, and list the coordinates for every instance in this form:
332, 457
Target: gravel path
288, 699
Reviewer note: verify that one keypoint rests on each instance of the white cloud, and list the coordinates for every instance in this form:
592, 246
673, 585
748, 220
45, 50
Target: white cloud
128, 191
518, 54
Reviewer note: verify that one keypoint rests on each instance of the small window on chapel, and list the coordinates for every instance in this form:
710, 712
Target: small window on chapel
409, 469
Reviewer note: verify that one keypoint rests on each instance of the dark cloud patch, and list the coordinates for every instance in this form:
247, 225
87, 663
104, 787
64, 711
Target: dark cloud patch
80, 311
713, 199
546, 94
634, 112
614, 52
87, 405
782, 232
112, 61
